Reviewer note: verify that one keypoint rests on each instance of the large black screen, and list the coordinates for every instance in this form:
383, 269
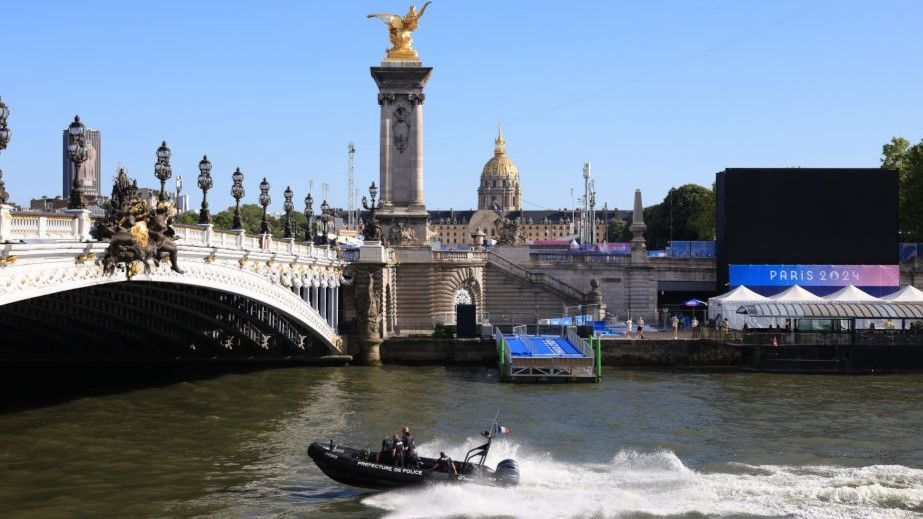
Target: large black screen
806, 217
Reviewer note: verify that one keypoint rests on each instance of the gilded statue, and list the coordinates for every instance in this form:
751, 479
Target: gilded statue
400, 29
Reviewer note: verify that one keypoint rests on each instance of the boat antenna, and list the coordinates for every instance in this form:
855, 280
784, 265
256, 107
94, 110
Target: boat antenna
494, 425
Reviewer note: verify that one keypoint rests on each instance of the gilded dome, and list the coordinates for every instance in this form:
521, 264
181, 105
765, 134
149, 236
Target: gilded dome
500, 165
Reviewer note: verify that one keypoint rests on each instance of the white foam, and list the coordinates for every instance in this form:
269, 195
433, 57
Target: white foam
659, 483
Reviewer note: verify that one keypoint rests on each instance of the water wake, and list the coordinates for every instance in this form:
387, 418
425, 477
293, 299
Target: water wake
658, 483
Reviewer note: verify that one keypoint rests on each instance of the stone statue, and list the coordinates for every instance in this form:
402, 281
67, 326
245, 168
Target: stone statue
399, 30
507, 232
136, 233
372, 314
400, 233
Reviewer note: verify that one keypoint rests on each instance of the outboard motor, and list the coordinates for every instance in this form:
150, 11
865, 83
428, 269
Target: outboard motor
507, 473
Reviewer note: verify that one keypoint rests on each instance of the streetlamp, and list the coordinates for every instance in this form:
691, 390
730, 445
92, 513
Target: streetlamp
77, 149
162, 168
4, 140
309, 218
205, 183
325, 217
264, 201
288, 206
237, 191
372, 231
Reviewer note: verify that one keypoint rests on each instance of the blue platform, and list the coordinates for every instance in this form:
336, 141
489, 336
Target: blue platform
541, 346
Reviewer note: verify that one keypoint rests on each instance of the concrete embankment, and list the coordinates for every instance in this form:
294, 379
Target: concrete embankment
657, 352
669, 353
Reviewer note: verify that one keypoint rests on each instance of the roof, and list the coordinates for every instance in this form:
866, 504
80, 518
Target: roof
908, 294
795, 294
848, 294
740, 293
830, 310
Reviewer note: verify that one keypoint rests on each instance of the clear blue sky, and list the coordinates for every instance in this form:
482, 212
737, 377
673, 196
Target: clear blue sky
654, 94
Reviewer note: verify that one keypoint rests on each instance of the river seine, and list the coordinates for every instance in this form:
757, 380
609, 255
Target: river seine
639, 444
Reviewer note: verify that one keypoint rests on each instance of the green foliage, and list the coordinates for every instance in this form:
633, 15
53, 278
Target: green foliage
187, 218
693, 216
617, 231
251, 217
442, 331
899, 154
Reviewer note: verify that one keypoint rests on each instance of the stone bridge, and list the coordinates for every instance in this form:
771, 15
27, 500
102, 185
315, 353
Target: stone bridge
241, 296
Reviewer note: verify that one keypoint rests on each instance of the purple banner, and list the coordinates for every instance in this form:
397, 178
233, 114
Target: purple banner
815, 275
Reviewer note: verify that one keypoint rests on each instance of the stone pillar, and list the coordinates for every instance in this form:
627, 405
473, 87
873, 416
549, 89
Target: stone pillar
638, 226
82, 223
314, 304
323, 301
336, 306
400, 96
6, 223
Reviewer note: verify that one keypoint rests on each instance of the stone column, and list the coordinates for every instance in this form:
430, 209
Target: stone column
314, 303
6, 223
323, 301
400, 96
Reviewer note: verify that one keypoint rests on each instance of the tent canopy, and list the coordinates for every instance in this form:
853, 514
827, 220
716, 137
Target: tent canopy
850, 294
795, 294
740, 293
908, 294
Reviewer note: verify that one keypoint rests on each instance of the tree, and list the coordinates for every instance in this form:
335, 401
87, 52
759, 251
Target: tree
617, 231
908, 161
686, 213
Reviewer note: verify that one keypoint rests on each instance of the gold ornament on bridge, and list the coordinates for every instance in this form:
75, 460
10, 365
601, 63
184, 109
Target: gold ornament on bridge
399, 30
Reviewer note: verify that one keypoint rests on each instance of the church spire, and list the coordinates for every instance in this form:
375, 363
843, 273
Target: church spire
500, 148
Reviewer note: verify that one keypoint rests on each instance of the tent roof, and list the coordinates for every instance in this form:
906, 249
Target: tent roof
796, 293
850, 293
908, 294
740, 293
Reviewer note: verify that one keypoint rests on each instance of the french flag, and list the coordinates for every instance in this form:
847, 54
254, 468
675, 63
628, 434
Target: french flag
502, 429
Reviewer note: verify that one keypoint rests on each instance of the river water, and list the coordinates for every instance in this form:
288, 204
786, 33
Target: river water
639, 444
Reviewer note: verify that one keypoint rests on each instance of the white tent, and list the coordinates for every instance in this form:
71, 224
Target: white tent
795, 294
851, 294
908, 294
726, 305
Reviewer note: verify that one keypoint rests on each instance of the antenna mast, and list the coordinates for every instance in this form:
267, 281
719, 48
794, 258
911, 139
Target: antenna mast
351, 212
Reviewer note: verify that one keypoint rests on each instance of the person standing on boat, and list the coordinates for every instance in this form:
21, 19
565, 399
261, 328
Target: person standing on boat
446, 464
410, 455
398, 452
387, 451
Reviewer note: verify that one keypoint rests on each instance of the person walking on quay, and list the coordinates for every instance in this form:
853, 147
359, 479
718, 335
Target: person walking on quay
724, 328
628, 330
695, 328
640, 327
675, 322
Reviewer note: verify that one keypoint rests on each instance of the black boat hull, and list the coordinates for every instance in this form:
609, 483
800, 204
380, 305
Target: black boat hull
356, 468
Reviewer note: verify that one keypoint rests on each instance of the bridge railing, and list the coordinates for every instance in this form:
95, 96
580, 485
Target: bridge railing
460, 255
27, 226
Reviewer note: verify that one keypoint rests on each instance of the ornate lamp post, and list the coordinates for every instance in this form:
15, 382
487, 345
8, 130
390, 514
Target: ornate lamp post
309, 218
325, 218
77, 149
162, 168
372, 231
205, 183
264, 201
288, 206
237, 191
4, 140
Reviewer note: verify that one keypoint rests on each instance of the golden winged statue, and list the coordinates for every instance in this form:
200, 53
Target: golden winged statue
400, 29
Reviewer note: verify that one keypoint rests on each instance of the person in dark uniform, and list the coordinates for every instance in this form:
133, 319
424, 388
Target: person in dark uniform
387, 450
445, 464
410, 455
398, 452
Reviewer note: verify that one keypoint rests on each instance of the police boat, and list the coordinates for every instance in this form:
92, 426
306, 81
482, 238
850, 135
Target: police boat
365, 469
